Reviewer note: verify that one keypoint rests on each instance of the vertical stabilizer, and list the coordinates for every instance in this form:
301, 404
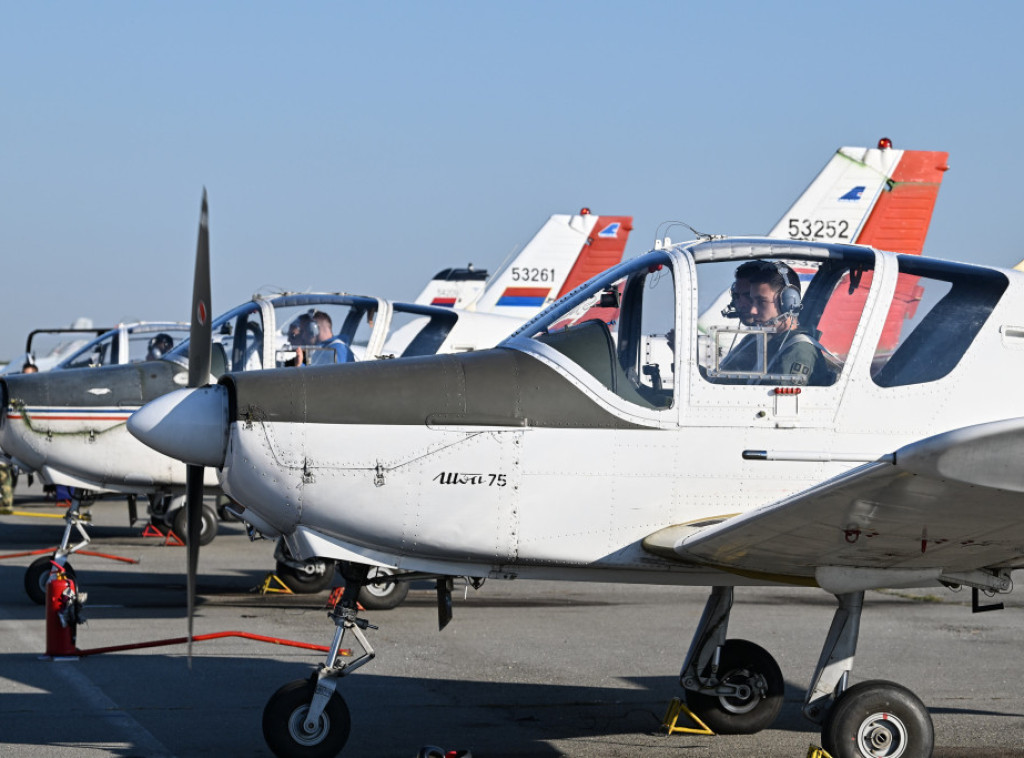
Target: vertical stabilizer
567, 251
879, 196
454, 287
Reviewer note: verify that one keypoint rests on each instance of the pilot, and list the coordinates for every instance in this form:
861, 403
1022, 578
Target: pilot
327, 339
29, 368
158, 346
315, 329
791, 351
744, 353
739, 306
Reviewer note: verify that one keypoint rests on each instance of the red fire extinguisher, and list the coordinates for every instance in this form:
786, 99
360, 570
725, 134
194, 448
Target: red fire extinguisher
62, 614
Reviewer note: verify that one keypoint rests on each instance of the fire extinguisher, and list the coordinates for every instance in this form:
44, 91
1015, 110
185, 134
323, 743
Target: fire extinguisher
63, 612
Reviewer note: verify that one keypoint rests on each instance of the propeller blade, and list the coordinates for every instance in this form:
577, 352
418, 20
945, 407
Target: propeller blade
200, 334
193, 528
199, 348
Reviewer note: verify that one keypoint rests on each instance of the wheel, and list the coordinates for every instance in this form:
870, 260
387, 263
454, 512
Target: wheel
307, 581
38, 574
742, 663
878, 719
283, 727
382, 597
206, 533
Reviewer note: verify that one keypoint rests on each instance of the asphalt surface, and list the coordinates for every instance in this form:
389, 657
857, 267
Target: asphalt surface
525, 668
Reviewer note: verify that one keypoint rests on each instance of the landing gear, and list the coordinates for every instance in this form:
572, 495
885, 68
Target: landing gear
878, 719
38, 572
303, 577
289, 732
313, 576
734, 686
751, 686
382, 596
874, 719
208, 529
170, 510
308, 717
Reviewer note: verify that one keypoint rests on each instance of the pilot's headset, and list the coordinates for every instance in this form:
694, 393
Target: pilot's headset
788, 301
303, 330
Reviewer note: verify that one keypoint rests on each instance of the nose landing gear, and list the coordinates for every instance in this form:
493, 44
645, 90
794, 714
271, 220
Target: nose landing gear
308, 717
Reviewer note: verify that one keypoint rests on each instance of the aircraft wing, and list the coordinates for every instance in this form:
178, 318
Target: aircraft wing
943, 506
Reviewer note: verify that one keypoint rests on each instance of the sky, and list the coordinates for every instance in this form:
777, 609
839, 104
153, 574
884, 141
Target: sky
363, 147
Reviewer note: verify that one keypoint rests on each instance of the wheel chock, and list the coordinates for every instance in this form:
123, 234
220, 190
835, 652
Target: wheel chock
273, 583
152, 530
173, 539
814, 751
677, 707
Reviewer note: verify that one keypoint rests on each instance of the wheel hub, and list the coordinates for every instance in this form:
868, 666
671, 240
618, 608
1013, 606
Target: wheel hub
882, 735
303, 736
748, 689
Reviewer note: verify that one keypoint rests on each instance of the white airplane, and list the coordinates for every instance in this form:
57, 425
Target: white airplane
562, 455
69, 425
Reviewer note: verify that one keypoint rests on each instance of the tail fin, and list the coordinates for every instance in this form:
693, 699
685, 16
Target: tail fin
903, 186
880, 196
454, 287
567, 251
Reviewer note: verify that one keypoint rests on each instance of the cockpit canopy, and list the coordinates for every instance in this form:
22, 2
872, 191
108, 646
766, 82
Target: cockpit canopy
319, 329
791, 319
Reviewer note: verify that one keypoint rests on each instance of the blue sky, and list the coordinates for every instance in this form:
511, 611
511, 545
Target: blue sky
362, 147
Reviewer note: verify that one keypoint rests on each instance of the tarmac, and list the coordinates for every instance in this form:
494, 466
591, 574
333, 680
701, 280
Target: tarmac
524, 669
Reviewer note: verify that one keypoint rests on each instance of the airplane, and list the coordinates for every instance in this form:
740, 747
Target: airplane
561, 454
126, 343
69, 425
75, 441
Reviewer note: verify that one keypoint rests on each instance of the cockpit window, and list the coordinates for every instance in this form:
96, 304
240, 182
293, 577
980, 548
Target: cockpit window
780, 322
97, 353
322, 333
619, 328
936, 313
418, 331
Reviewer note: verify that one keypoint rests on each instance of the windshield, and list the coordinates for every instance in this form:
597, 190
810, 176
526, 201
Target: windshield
145, 342
620, 329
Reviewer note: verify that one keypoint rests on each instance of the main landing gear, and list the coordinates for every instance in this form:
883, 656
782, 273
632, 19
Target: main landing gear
736, 687
307, 717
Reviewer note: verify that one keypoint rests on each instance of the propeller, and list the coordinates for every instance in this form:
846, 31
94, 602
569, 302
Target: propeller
199, 348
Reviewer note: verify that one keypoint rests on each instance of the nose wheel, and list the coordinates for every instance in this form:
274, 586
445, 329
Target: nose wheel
289, 731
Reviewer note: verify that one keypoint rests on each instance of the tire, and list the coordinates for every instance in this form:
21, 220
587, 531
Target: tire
382, 597
38, 574
209, 526
306, 583
742, 662
878, 719
283, 717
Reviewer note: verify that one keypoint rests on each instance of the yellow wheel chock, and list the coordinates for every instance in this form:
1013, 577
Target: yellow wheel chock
813, 751
677, 707
273, 583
